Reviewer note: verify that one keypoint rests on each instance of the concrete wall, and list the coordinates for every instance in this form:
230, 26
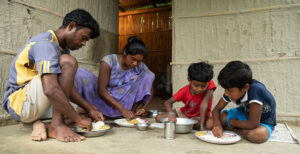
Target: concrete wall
263, 33
22, 19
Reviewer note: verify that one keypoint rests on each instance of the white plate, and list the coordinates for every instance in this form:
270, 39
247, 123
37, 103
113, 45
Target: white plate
157, 125
125, 123
228, 137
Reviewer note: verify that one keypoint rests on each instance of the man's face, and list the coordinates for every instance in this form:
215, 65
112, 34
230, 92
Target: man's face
197, 87
235, 93
78, 38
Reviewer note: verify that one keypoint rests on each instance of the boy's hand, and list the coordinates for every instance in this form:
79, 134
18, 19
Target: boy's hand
217, 131
172, 118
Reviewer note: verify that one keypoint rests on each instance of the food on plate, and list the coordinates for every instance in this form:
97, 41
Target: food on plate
104, 127
201, 133
227, 138
100, 125
134, 121
82, 129
129, 123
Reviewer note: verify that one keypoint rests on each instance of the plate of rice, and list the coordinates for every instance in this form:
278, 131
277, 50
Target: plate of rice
228, 137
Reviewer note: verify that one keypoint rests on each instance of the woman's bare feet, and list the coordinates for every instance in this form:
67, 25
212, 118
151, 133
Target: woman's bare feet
64, 134
39, 131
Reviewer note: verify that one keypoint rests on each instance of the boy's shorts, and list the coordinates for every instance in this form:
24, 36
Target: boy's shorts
237, 113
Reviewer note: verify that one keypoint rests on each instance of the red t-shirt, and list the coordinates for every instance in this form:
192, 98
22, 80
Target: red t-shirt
192, 102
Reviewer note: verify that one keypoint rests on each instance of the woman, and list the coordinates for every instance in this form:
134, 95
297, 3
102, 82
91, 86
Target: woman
124, 82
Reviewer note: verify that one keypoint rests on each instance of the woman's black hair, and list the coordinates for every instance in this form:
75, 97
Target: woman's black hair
135, 46
202, 72
235, 74
83, 19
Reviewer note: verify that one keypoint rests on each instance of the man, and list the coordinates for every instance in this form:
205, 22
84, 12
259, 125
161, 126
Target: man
42, 74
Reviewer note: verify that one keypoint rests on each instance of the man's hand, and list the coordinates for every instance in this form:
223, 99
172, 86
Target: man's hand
140, 111
95, 114
127, 114
217, 131
84, 122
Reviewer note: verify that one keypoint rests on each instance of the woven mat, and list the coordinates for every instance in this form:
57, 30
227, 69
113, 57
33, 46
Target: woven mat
283, 133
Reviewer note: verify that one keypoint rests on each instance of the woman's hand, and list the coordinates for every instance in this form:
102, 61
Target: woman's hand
127, 114
217, 131
140, 111
95, 114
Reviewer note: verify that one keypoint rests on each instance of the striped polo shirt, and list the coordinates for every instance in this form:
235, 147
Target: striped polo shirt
40, 55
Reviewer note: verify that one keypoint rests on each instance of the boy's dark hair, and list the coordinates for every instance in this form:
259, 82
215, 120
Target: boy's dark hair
202, 72
83, 19
235, 74
135, 46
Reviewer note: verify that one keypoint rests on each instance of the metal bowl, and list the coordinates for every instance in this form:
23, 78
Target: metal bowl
154, 113
91, 133
142, 126
183, 125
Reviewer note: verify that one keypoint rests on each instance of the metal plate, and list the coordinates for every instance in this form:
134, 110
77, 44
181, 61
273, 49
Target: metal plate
91, 133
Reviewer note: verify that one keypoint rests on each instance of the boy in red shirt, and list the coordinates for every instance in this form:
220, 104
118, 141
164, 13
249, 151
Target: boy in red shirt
197, 96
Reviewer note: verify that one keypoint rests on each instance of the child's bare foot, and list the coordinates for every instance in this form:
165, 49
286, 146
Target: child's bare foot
64, 134
39, 131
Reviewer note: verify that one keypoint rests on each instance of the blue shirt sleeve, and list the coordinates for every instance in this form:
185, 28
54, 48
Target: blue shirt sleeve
256, 94
46, 58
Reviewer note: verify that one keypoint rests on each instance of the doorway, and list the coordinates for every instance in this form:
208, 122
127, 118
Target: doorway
150, 20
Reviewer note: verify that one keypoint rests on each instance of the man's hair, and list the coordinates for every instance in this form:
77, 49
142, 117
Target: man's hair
202, 72
83, 19
235, 74
135, 46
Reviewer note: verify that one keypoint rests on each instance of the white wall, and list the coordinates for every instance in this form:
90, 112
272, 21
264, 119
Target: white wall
263, 33
22, 19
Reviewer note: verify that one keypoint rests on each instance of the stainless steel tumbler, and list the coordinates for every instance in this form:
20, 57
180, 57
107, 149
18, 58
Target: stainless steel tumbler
169, 130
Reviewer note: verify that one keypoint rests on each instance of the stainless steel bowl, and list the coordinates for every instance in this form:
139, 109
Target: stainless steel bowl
154, 113
183, 125
91, 133
142, 126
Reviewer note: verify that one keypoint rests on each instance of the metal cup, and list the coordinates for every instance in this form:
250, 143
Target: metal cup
169, 130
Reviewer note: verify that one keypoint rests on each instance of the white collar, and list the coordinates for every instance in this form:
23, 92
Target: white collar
245, 98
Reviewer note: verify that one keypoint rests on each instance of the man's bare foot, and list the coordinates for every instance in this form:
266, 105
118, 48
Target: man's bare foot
39, 131
64, 134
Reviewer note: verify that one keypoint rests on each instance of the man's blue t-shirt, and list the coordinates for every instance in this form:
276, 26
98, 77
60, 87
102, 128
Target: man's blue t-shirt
40, 55
258, 93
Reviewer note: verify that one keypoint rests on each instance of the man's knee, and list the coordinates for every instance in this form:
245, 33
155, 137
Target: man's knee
69, 61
